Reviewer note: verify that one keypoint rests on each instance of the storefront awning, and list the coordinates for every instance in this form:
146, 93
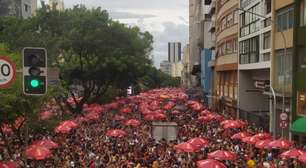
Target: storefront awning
299, 125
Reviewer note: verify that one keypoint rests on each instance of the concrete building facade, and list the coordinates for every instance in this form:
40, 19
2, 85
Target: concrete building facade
226, 61
254, 61
166, 67
18, 8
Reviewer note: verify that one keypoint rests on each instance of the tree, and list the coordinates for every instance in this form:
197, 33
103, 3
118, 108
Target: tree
93, 52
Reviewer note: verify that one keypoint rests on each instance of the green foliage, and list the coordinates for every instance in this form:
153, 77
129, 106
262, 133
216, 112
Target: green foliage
92, 51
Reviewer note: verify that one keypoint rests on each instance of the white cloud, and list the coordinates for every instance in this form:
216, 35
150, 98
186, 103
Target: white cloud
166, 20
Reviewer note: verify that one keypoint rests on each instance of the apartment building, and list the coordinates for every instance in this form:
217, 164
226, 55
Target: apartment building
226, 59
255, 44
22, 8
282, 63
196, 13
298, 127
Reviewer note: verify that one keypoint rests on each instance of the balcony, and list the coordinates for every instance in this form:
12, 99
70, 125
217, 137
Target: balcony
212, 26
212, 8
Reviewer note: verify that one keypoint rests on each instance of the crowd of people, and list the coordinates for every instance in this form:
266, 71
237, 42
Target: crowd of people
89, 146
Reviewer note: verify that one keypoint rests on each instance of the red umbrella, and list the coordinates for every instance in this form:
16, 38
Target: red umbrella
126, 110
117, 133
250, 140
292, 154
216, 117
226, 122
280, 144
175, 112
199, 142
65, 127
210, 163
160, 116
7, 164
92, 116
205, 119
234, 124
185, 147
302, 158
38, 152
263, 136
240, 135
119, 118
45, 115
149, 117
46, 143
132, 122
263, 144
222, 155
206, 112
197, 107
169, 106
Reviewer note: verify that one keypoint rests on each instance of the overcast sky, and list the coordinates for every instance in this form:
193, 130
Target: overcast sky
167, 20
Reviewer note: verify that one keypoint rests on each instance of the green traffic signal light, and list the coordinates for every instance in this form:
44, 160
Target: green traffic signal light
34, 83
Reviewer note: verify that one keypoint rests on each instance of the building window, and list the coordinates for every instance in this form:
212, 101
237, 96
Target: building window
249, 50
250, 23
266, 40
302, 57
27, 8
266, 56
303, 13
301, 103
283, 67
268, 6
267, 22
285, 18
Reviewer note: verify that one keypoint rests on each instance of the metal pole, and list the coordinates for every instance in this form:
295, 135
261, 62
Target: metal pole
274, 111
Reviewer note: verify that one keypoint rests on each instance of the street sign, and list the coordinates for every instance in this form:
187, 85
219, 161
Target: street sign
283, 116
283, 124
7, 72
53, 76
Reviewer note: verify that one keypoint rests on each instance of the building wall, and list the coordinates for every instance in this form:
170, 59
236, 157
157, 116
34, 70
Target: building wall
206, 72
22, 8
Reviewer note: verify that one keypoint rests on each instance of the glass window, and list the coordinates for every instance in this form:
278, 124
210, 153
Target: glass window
285, 18
303, 13
266, 40
302, 57
268, 6
236, 16
301, 103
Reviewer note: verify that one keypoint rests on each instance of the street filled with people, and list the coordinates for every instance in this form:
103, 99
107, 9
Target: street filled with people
120, 135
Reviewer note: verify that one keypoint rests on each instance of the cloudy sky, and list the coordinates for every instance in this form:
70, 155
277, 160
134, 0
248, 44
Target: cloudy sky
167, 20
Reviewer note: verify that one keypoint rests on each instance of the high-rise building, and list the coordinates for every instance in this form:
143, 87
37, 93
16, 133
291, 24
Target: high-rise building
58, 4
254, 61
165, 66
225, 92
298, 127
21, 8
174, 52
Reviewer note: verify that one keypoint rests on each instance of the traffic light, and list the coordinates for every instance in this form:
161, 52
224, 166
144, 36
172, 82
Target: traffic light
34, 71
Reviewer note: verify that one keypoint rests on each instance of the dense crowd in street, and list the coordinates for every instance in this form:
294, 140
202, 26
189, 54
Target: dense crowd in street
103, 138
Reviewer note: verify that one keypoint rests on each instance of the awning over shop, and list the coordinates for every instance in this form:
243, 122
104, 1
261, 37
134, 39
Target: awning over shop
299, 125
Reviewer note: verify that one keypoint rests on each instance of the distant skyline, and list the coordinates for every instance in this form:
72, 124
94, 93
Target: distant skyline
166, 20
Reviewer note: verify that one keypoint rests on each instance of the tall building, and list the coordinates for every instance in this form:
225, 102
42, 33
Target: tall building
58, 4
195, 39
226, 62
298, 127
254, 61
21, 8
174, 52
166, 67
186, 72
282, 56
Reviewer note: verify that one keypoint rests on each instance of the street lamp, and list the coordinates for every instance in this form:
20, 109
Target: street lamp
283, 62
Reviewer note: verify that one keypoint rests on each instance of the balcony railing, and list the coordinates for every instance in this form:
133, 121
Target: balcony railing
212, 7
